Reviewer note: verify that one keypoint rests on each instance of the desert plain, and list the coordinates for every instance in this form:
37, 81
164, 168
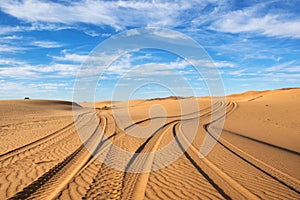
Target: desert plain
47, 152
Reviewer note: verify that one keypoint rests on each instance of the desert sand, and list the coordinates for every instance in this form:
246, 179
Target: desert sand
47, 153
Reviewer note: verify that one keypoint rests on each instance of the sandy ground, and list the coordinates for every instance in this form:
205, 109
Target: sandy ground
47, 153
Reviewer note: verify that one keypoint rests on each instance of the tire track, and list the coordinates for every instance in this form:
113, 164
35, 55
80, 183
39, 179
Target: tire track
289, 182
136, 183
218, 104
285, 180
207, 188
53, 180
23, 154
243, 193
105, 172
29, 147
212, 173
89, 172
81, 175
94, 174
262, 142
279, 176
122, 179
28, 167
107, 181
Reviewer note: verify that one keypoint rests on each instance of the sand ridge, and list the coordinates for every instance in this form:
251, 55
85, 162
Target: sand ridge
256, 157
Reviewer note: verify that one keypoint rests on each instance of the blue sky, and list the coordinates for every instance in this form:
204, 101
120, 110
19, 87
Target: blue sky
253, 44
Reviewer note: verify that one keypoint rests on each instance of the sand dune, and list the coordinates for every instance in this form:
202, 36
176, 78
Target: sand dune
45, 154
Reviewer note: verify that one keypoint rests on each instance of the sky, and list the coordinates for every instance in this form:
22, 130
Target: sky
253, 45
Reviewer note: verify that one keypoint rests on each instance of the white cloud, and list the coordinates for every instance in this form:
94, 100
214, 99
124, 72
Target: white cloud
46, 44
9, 29
284, 72
213, 64
179, 67
169, 34
48, 86
14, 72
12, 37
35, 26
132, 32
71, 57
13, 89
279, 77
224, 64
21, 89
123, 14
127, 64
60, 69
265, 56
26, 71
251, 20
293, 69
92, 33
10, 62
9, 44
282, 67
112, 13
95, 60
10, 49
236, 72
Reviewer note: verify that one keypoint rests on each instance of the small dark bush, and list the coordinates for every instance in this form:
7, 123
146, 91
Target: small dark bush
105, 108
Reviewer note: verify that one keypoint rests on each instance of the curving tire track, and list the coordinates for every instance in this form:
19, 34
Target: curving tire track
217, 104
284, 179
134, 184
211, 172
290, 184
237, 189
16, 154
82, 175
51, 182
83, 182
106, 170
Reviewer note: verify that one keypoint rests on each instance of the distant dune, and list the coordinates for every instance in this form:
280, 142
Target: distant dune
170, 97
257, 156
258, 94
